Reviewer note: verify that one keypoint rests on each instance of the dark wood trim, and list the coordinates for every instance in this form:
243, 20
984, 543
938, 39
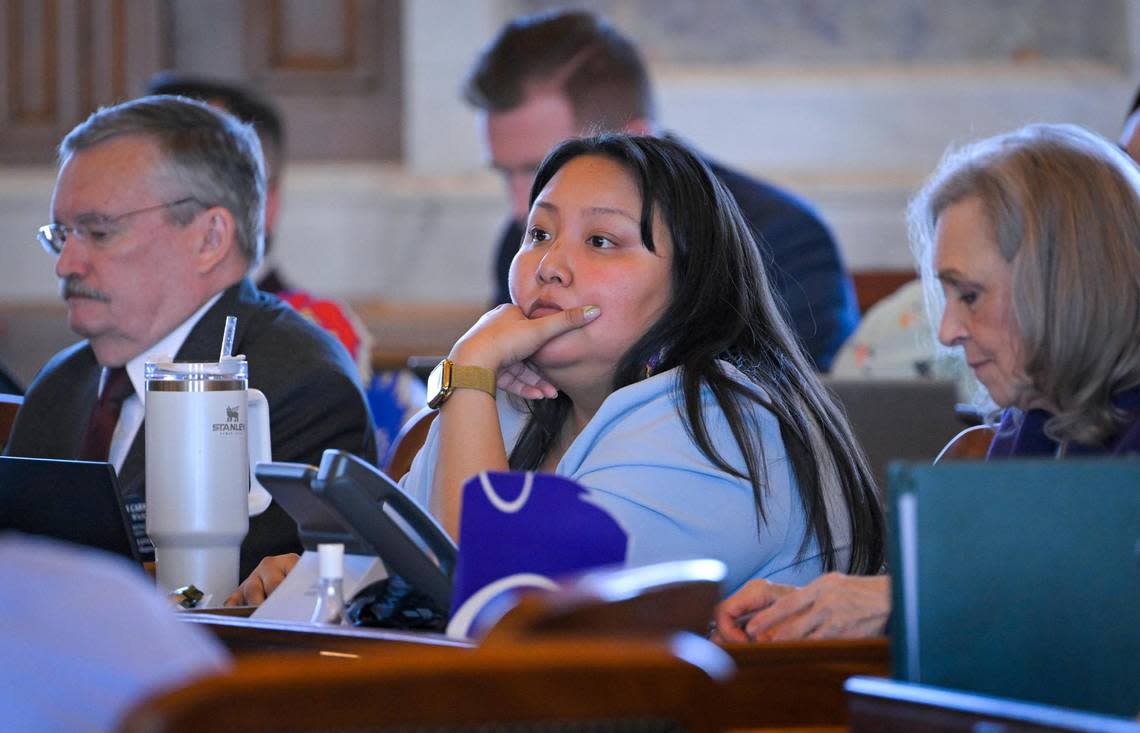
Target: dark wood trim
871, 286
85, 55
281, 60
18, 107
119, 34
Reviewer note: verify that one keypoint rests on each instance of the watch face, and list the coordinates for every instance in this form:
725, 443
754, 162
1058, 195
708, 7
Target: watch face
439, 384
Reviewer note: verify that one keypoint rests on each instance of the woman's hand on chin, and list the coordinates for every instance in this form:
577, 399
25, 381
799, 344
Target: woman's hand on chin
524, 380
504, 338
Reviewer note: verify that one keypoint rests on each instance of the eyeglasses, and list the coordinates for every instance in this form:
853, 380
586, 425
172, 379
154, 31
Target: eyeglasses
53, 236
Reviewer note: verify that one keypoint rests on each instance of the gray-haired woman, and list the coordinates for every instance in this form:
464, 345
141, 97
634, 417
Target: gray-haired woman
1028, 244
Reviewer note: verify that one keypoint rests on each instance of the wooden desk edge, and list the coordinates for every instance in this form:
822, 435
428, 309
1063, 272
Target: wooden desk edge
874, 650
251, 634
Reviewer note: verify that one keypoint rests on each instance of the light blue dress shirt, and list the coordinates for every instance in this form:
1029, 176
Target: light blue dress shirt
641, 465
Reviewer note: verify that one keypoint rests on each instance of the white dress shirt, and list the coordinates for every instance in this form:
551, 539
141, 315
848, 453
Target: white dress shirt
134, 407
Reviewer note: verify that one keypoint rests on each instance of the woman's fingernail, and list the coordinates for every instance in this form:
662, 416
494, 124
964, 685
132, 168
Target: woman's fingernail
591, 312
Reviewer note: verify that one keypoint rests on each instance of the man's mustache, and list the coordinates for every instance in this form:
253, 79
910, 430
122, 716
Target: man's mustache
73, 287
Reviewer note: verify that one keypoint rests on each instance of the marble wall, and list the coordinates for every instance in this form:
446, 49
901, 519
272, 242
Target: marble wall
847, 104
817, 33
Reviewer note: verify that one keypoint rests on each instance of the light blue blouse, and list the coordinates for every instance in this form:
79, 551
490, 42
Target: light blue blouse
640, 464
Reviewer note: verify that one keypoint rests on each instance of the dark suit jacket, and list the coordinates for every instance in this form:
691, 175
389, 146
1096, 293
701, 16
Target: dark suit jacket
798, 252
310, 382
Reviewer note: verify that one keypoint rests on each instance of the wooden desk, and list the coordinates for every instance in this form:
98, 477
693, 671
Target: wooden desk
243, 635
580, 684
796, 685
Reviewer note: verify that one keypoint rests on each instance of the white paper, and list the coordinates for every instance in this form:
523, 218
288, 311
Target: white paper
296, 597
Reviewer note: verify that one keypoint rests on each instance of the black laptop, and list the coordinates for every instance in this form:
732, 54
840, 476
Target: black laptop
76, 501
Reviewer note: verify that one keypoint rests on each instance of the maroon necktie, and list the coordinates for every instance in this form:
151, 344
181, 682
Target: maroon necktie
97, 441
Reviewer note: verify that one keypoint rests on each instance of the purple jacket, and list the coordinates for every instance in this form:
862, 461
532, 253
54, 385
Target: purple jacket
1022, 435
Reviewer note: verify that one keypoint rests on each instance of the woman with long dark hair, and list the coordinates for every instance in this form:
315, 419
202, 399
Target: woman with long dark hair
658, 373
644, 356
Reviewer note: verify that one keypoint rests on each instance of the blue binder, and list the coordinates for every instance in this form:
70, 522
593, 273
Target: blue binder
1019, 579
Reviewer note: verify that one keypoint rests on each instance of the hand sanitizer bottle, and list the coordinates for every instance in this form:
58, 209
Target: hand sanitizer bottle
330, 600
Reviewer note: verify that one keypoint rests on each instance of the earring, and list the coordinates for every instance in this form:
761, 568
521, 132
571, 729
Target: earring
654, 362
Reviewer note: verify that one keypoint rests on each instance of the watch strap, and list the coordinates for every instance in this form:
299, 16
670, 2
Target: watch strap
473, 377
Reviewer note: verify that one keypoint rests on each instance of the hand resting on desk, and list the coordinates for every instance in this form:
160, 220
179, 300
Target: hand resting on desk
263, 580
834, 606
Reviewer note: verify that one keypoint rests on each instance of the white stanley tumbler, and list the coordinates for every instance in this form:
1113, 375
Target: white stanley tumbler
205, 430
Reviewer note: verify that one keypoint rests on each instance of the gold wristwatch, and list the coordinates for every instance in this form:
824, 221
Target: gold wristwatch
449, 376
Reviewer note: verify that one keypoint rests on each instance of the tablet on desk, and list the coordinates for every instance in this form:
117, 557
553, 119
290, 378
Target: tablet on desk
75, 501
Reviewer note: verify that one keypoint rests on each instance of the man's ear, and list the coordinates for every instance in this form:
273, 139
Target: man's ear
217, 238
272, 206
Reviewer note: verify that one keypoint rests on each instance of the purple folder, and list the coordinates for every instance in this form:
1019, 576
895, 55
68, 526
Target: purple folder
524, 530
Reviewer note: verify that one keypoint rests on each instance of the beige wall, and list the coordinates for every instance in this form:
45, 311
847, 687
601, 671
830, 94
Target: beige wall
855, 138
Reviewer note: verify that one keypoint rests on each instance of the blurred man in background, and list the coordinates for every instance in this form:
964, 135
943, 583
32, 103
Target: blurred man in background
551, 76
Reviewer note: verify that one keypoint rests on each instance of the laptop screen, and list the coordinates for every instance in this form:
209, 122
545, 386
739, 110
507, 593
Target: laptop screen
899, 419
76, 501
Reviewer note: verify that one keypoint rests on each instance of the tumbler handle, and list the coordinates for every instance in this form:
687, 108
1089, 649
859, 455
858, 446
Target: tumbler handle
260, 448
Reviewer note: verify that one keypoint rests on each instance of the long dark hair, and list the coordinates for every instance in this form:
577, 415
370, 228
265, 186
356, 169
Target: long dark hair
723, 309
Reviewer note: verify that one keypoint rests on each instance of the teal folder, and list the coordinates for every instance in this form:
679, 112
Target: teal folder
1019, 579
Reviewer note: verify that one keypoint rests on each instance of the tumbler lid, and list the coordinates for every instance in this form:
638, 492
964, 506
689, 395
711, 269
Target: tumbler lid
163, 367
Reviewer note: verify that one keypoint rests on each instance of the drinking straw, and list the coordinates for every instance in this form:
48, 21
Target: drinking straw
228, 338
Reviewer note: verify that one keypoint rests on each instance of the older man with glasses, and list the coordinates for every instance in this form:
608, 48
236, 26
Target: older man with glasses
156, 223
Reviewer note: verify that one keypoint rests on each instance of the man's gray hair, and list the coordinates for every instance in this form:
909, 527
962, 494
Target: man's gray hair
214, 156
1063, 205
